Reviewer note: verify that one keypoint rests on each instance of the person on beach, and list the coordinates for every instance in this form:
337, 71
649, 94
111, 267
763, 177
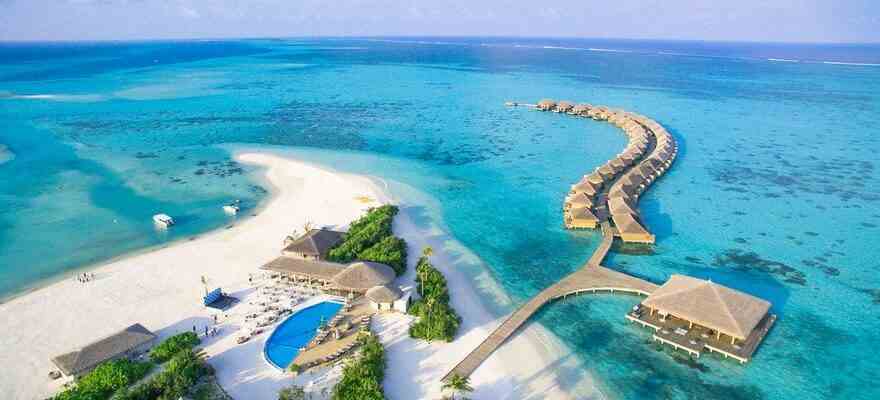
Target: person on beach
206, 330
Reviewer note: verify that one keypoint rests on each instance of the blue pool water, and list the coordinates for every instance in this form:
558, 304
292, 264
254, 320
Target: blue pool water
296, 331
775, 190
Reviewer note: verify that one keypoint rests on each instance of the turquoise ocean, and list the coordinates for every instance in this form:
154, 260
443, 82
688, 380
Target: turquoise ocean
775, 191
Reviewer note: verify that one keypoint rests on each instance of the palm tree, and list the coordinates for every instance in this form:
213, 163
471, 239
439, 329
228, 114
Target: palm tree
426, 252
292, 393
204, 280
458, 384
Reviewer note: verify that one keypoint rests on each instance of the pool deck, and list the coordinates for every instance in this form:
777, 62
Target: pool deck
331, 344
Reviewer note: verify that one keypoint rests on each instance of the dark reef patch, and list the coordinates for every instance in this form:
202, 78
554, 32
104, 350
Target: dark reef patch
874, 293
692, 259
750, 261
633, 249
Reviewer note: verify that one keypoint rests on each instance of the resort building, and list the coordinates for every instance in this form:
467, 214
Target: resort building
352, 279
389, 298
546, 105
314, 245
564, 106
129, 342
694, 315
631, 230
581, 218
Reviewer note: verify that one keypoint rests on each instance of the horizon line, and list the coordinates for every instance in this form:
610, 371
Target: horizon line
314, 37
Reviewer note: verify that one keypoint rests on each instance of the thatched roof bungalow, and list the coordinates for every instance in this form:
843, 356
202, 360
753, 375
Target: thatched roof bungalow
727, 311
313, 245
620, 205
586, 187
596, 179
564, 106
578, 200
631, 230
581, 218
129, 342
363, 275
580, 109
546, 105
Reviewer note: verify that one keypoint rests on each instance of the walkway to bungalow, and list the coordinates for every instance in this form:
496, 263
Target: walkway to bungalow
592, 277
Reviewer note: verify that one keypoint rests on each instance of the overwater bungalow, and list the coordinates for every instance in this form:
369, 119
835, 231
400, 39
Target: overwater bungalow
607, 172
581, 218
578, 200
564, 106
631, 230
620, 205
618, 164
586, 187
580, 109
596, 179
694, 315
313, 245
546, 105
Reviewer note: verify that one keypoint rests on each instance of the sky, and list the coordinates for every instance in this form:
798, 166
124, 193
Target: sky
733, 20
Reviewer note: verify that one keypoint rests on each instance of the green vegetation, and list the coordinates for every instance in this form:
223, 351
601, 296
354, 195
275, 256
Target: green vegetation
106, 379
181, 373
362, 378
458, 384
370, 239
174, 345
113, 379
437, 319
292, 393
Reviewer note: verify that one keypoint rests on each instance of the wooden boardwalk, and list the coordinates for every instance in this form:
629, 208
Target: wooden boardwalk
592, 277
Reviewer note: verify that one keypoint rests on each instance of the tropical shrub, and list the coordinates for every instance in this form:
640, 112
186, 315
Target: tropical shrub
370, 239
292, 393
181, 373
173, 345
437, 319
391, 251
106, 379
362, 378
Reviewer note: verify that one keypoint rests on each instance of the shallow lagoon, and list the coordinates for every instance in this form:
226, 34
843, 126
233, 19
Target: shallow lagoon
773, 193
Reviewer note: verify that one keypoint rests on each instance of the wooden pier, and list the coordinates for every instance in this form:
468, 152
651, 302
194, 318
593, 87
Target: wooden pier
610, 195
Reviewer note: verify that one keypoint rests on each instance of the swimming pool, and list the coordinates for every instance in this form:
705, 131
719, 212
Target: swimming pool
296, 331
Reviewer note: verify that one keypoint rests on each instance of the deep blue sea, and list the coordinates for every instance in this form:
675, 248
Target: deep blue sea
775, 191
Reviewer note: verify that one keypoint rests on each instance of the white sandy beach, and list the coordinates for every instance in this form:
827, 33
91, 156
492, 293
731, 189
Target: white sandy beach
161, 290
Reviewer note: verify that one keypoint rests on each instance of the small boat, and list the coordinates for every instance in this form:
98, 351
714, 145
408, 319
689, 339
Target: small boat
232, 208
163, 220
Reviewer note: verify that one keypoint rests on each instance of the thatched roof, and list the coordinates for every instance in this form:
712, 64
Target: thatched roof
316, 242
709, 304
384, 294
313, 269
596, 179
585, 187
110, 347
580, 108
579, 200
546, 104
627, 224
363, 275
606, 171
564, 106
619, 205
582, 214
